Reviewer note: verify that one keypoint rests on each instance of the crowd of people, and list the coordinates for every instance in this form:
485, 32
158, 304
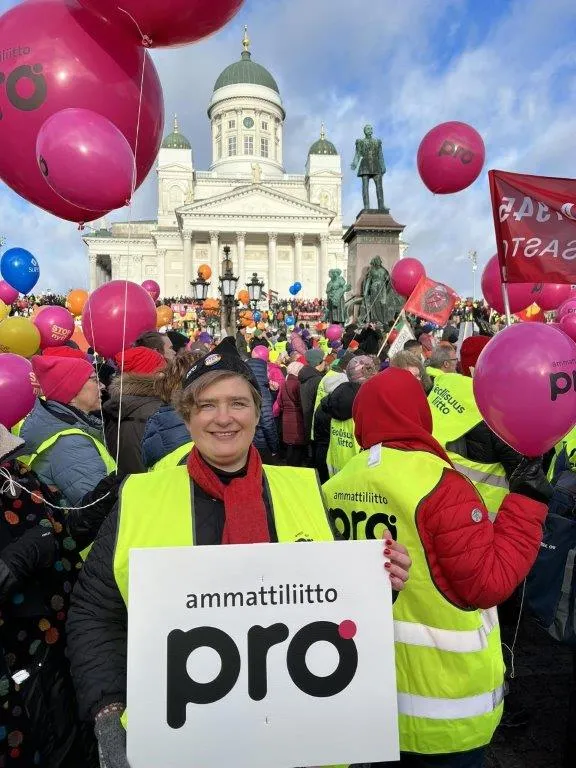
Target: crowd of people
235, 435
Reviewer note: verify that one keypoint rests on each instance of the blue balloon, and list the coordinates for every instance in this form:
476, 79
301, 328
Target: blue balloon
297, 287
20, 269
256, 316
293, 290
290, 320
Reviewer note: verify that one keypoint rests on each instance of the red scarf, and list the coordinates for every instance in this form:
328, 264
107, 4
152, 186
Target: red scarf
244, 509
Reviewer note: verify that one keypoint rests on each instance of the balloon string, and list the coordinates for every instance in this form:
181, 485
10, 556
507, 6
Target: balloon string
146, 41
10, 484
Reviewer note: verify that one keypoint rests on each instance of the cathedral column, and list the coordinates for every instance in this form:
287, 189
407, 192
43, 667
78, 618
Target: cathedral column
187, 238
161, 276
272, 242
93, 271
298, 237
323, 262
137, 268
115, 262
214, 265
241, 248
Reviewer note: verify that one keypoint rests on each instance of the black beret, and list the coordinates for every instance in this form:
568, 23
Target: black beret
224, 357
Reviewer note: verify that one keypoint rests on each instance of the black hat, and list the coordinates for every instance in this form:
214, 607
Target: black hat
224, 357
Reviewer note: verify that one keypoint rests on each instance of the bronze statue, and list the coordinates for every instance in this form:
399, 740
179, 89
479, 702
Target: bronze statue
369, 159
335, 290
380, 303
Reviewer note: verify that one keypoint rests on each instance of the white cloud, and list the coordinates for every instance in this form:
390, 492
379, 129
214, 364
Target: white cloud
347, 63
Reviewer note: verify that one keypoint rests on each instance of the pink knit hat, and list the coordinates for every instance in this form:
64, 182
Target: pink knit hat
61, 378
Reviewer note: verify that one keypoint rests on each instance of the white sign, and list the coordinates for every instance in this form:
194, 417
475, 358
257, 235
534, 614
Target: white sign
404, 334
261, 656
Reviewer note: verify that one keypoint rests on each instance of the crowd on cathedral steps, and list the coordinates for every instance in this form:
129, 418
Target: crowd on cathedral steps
223, 431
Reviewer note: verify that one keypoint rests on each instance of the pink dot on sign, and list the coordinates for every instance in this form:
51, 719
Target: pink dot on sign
347, 629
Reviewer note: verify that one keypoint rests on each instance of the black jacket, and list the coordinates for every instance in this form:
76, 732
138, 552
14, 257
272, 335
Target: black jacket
97, 622
337, 405
266, 437
309, 379
138, 403
482, 445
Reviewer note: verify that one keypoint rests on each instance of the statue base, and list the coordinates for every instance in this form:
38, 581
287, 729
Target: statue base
374, 233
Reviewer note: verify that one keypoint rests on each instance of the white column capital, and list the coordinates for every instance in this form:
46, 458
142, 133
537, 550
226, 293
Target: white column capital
116, 260
324, 237
240, 236
272, 236
214, 235
137, 258
93, 257
298, 237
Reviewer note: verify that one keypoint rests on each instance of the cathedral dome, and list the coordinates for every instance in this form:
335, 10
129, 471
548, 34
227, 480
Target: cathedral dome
246, 71
323, 146
176, 140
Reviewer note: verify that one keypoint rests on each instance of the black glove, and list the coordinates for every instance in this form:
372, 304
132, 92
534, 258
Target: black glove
111, 736
34, 550
529, 479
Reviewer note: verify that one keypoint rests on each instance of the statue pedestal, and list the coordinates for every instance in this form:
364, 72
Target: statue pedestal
374, 233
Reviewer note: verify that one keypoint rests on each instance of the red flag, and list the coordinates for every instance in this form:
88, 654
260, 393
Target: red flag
432, 301
535, 223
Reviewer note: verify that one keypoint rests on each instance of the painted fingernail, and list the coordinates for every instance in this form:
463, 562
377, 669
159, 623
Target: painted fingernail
387, 565
387, 551
388, 542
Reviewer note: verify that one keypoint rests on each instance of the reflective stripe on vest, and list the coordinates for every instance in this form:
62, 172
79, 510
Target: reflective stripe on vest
109, 462
449, 665
454, 413
342, 446
173, 458
156, 510
567, 444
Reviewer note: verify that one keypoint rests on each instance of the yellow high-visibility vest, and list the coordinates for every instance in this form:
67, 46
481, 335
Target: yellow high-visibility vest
449, 666
343, 445
567, 445
173, 458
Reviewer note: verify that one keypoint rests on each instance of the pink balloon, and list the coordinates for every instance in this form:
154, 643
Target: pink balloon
520, 294
261, 353
450, 157
115, 315
334, 332
567, 308
7, 294
152, 287
16, 394
405, 276
527, 368
166, 22
550, 296
86, 160
56, 326
568, 325
68, 57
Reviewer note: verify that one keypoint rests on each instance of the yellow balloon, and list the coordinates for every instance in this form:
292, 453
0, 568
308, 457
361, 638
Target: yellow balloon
4, 309
19, 336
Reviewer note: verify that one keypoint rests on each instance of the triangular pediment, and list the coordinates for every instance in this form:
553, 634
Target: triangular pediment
175, 167
255, 200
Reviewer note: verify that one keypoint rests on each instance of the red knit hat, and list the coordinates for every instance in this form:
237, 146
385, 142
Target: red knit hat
64, 352
61, 378
470, 352
141, 360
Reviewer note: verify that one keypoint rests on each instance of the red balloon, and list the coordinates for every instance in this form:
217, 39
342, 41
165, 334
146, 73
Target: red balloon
7, 294
115, 315
68, 57
520, 294
450, 157
56, 326
166, 22
151, 287
405, 276
86, 160
568, 325
549, 296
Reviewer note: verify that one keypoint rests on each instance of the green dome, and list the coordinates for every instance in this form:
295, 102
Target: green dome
323, 146
246, 71
176, 140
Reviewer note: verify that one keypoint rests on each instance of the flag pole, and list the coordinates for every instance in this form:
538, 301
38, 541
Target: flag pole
506, 303
390, 331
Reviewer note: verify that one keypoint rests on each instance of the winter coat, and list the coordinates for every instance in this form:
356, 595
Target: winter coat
139, 403
290, 406
483, 446
337, 405
73, 464
97, 624
266, 436
165, 431
35, 585
309, 379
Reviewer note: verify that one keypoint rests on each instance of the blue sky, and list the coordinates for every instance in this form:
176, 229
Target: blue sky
508, 68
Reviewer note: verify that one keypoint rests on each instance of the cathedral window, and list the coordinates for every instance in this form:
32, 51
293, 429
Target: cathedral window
264, 147
219, 148
264, 125
231, 124
248, 145
232, 147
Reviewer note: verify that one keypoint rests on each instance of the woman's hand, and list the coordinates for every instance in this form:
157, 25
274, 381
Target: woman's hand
397, 563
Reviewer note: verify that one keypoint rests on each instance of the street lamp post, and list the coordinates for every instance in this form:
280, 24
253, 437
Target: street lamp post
473, 256
200, 289
255, 287
228, 285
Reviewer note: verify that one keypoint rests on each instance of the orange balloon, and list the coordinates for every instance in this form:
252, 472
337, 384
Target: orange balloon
80, 339
244, 296
204, 271
75, 301
164, 315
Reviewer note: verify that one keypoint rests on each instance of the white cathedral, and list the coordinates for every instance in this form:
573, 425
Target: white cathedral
282, 226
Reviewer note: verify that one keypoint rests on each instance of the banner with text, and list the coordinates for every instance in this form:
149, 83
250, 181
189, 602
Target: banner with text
261, 656
535, 224
431, 301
